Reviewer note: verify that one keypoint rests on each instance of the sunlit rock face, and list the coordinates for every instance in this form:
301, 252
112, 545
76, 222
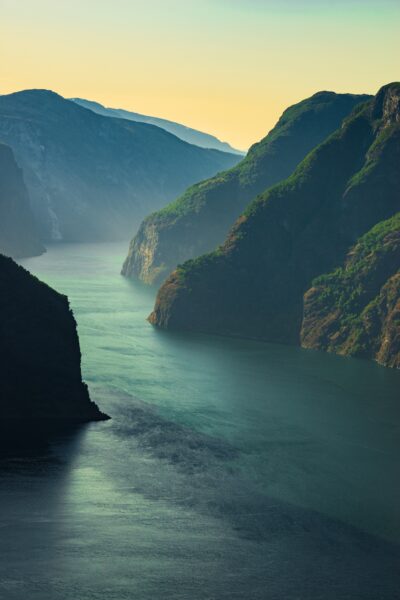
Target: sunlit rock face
39, 353
253, 285
200, 219
18, 232
92, 177
355, 310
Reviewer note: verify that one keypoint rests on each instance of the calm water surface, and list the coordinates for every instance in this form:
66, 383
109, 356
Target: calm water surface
230, 469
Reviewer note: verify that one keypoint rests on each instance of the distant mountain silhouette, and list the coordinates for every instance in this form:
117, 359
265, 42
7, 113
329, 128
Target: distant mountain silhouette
91, 177
187, 134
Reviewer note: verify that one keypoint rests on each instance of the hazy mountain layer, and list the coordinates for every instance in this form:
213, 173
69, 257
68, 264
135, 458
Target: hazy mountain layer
253, 285
18, 232
187, 134
91, 177
200, 219
39, 352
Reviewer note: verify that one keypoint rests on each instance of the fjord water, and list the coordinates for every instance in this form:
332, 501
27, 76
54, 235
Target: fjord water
230, 468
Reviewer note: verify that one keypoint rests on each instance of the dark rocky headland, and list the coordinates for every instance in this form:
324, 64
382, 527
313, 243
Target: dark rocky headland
40, 359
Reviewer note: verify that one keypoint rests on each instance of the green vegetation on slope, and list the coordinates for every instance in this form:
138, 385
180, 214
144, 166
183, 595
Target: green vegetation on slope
355, 309
253, 285
200, 219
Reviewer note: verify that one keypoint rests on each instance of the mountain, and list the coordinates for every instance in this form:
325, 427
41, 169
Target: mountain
253, 285
200, 219
91, 177
18, 234
39, 352
355, 310
187, 134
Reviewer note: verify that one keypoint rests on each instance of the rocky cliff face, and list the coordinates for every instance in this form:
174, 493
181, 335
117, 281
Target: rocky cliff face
18, 233
39, 353
200, 219
356, 309
92, 177
253, 285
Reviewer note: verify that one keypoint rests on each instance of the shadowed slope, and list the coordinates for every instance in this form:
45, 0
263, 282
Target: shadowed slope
18, 235
91, 177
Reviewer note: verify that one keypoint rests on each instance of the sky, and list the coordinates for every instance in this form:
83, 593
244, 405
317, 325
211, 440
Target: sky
227, 67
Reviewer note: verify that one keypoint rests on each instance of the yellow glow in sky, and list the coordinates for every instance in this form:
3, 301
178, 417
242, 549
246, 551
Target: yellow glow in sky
225, 67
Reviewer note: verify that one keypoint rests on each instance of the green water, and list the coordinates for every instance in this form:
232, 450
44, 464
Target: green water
230, 469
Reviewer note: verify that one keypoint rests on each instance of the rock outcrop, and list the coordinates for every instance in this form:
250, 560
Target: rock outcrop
356, 309
253, 285
18, 233
200, 219
39, 353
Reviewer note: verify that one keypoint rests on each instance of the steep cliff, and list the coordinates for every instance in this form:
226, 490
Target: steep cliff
18, 233
92, 177
253, 285
356, 309
39, 353
200, 219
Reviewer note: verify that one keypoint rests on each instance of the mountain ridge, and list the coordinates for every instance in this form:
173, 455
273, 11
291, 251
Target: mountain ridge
200, 219
253, 285
185, 133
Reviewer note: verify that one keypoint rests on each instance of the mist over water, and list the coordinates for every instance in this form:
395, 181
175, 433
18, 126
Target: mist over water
230, 469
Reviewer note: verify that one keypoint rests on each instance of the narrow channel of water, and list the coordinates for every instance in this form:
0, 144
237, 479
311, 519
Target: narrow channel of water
230, 469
